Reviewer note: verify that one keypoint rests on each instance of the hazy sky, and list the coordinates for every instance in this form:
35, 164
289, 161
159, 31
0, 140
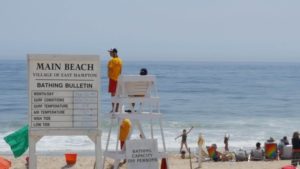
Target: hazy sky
203, 30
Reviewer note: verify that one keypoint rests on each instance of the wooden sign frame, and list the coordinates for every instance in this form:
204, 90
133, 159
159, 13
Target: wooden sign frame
63, 92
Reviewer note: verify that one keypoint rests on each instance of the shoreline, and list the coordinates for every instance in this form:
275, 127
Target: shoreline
174, 160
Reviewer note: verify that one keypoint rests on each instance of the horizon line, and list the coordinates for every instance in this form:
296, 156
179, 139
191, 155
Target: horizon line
203, 61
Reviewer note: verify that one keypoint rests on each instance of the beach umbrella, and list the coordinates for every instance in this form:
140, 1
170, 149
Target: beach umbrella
18, 141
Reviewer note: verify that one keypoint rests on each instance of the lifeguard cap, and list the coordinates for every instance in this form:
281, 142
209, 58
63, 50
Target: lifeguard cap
114, 50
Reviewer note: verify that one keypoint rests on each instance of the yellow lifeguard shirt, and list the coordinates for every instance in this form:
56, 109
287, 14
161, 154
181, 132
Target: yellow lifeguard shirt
114, 67
124, 129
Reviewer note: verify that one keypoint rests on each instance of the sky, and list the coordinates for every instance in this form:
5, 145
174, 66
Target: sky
162, 30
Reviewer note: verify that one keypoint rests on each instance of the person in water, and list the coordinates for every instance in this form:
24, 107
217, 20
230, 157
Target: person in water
184, 138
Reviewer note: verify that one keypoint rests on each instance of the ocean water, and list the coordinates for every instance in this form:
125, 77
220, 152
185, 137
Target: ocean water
249, 101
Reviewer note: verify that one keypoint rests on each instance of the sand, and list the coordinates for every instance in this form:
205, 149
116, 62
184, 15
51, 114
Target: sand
175, 162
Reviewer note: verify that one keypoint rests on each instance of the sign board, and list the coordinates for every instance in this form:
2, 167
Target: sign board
63, 91
142, 154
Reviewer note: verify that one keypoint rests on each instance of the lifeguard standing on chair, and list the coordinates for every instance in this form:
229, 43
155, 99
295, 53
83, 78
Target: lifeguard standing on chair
114, 69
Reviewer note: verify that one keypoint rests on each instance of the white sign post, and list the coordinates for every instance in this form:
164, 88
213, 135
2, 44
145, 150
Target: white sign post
142, 154
63, 99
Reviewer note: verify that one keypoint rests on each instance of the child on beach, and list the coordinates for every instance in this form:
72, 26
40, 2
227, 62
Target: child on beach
184, 138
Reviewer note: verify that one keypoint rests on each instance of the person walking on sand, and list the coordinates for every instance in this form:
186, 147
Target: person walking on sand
184, 138
114, 69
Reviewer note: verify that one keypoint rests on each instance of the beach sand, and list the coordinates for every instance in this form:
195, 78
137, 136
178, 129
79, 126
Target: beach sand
175, 162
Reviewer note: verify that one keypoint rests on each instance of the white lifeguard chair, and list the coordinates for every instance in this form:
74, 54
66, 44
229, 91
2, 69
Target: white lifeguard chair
138, 101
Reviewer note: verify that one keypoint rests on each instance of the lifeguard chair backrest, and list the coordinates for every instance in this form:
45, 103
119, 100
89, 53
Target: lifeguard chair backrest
136, 86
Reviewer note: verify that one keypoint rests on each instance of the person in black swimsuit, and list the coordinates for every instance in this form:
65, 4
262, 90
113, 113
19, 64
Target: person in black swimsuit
184, 138
296, 149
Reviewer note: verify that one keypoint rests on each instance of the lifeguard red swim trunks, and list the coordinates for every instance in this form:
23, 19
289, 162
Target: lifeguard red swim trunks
112, 87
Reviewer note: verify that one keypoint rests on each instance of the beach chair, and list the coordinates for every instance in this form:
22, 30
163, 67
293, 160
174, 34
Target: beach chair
212, 153
136, 86
287, 152
139, 91
139, 95
271, 151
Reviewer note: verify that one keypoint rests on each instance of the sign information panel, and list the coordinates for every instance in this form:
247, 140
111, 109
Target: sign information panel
142, 154
63, 91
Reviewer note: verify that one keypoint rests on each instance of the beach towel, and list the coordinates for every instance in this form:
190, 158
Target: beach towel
18, 141
4, 163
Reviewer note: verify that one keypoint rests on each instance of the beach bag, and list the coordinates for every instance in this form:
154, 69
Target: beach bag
241, 155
